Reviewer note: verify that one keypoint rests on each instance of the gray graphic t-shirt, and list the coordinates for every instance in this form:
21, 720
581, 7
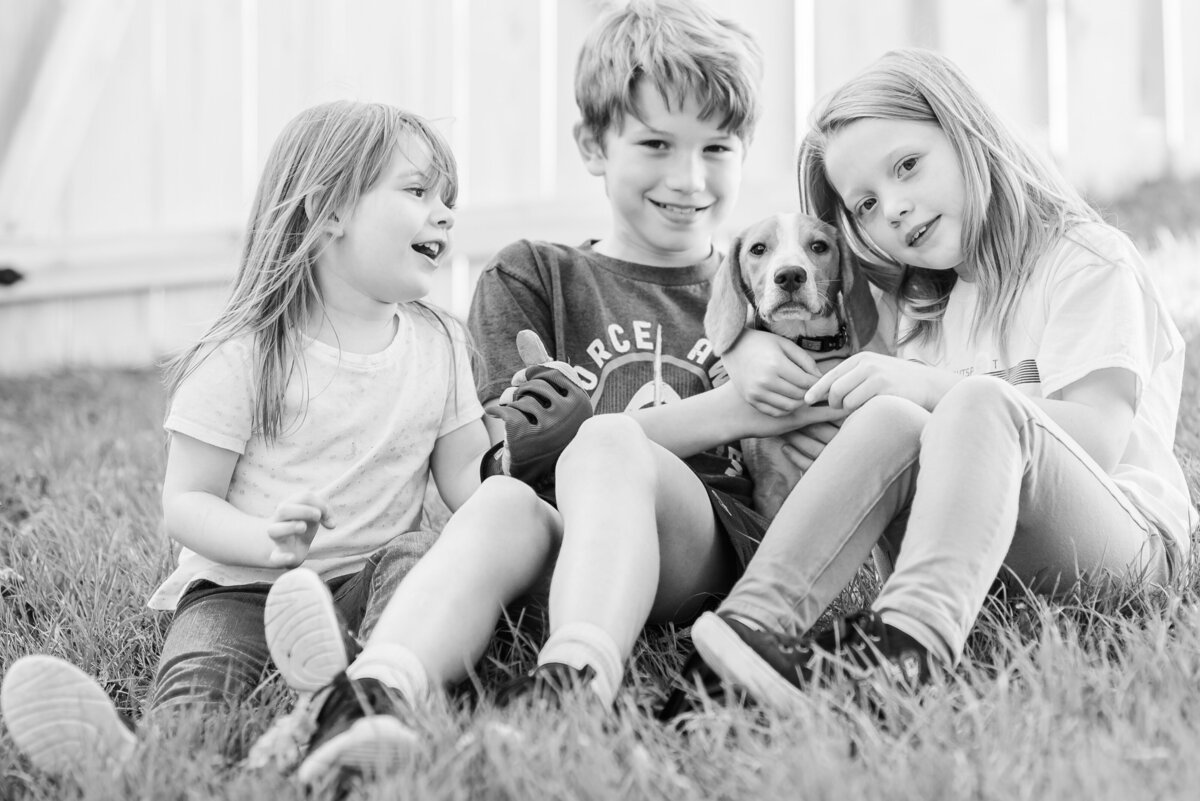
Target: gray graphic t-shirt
605, 317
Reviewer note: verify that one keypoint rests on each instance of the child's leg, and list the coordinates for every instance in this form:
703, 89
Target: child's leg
640, 542
441, 617
1001, 484
857, 491
215, 651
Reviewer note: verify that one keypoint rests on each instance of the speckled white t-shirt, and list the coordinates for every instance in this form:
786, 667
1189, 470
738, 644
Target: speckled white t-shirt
364, 441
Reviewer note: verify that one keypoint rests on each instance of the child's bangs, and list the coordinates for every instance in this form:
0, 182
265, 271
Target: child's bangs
444, 167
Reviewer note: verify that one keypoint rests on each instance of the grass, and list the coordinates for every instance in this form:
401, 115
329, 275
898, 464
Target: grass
1093, 699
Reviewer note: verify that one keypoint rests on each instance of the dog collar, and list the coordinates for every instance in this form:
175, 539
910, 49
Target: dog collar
825, 344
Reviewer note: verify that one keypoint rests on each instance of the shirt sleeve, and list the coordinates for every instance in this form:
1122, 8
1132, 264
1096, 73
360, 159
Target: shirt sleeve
214, 404
1100, 315
509, 296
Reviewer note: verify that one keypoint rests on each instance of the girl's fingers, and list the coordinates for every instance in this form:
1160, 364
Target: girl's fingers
282, 530
281, 557
819, 391
797, 458
300, 511
811, 448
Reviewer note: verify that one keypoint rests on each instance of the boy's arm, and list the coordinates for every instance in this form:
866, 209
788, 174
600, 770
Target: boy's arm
718, 417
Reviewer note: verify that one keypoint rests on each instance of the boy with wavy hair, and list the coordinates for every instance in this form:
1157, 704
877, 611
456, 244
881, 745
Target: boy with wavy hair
652, 516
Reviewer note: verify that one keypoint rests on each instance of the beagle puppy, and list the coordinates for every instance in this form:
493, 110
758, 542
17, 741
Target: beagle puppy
788, 274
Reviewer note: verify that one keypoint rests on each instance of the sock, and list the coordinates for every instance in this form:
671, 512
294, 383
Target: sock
583, 645
394, 665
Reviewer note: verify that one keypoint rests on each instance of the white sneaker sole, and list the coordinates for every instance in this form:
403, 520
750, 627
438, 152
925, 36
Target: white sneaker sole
303, 632
737, 663
60, 717
378, 743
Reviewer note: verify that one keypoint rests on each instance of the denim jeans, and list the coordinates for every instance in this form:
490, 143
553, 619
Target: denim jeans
216, 649
986, 485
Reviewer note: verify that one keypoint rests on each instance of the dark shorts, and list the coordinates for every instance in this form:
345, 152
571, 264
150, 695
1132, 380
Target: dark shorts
738, 523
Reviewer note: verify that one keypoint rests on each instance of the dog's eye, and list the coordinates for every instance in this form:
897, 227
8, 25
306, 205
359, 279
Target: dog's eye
757, 249
819, 247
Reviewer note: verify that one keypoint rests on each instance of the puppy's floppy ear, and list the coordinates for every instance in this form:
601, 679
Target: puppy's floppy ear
858, 305
727, 308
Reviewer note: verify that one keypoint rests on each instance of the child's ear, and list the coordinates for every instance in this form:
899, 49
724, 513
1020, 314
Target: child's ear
332, 226
591, 148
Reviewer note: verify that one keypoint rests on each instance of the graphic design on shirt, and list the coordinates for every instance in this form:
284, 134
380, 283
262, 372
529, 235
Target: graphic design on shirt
627, 382
1024, 372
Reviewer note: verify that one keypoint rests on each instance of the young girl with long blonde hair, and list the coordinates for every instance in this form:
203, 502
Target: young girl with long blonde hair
1023, 428
304, 425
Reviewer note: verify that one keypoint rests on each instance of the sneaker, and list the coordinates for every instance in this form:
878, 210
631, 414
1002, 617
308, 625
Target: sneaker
307, 637
283, 744
774, 668
547, 684
696, 682
61, 718
359, 729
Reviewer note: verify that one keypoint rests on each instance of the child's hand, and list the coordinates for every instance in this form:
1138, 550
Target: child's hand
865, 375
805, 445
533, 353
541, 413
769, 372
294, 526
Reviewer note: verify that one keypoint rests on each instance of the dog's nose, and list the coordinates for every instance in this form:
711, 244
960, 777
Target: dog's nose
790, 279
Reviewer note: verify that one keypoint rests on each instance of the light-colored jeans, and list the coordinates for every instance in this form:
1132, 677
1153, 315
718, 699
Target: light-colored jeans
987, 481
216, 648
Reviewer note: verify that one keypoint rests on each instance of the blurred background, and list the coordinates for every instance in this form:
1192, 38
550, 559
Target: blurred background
132, 131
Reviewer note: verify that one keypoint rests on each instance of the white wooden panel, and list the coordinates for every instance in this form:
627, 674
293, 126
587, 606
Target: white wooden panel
196, 101
112, 186
1103, 104
769, 177
1014, 82
1189, 33
504, 101
853, 33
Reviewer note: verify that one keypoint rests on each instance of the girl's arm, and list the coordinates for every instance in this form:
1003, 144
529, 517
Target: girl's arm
197, 516
455, 462
1097, 411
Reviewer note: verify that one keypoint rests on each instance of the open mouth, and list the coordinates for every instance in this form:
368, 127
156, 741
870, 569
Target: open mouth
917, 235
430, 250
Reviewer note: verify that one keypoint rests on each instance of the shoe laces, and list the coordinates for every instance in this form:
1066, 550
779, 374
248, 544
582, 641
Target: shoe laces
350, 699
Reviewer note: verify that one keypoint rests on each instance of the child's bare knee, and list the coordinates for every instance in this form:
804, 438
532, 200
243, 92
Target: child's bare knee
607, 441
504, 495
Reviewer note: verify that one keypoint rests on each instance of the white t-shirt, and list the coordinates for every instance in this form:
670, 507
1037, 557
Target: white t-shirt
1089, 306
364, 443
